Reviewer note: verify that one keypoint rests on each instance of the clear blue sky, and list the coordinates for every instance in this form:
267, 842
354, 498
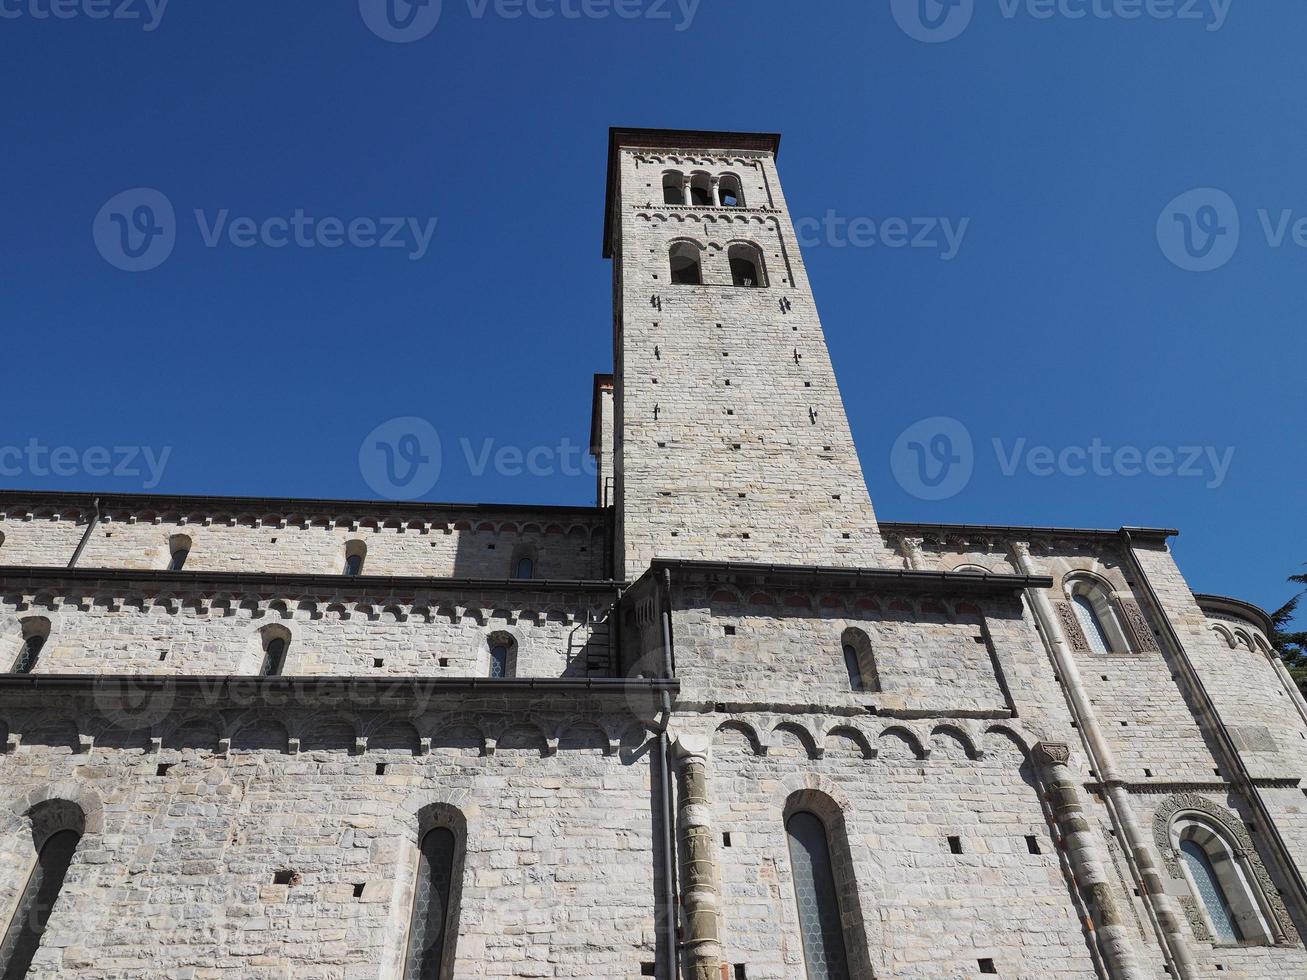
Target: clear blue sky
1059, 320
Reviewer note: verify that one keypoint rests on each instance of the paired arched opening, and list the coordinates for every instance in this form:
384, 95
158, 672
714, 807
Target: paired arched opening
1222, 882
859, 660
179, 549
1096, 615
702, 189
57, 828
35, 630
745, 260
356, 552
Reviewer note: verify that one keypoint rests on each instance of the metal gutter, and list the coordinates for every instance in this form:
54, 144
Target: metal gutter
331, 684
1149, 533
901, 578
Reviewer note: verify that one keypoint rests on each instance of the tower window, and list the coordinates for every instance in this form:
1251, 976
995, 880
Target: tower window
355, 552
673, 187
432, 925
503, 656
35, 903
859, 660
179, 547
274, 656
701, 190
731, 194
687, 266
746, 265
524, 562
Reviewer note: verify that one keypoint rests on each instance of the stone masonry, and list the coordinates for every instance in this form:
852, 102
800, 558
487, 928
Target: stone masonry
1020, 744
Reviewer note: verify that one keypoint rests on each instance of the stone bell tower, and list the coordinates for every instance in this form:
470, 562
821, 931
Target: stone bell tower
730, 440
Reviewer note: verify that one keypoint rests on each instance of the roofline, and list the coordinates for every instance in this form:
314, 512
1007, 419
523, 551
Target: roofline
698, 139
916, 581
278, 504
599, 382
182, 581
1260, 617
1153, 533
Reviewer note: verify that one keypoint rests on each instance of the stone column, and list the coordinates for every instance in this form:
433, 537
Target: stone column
716, 191
1108, 924
698, 868
685, 190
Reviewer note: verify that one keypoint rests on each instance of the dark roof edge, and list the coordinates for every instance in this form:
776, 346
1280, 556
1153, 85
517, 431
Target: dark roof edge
273, 504
705, 139
375, 687
899, 527
915, 580
354, 583
1254, 612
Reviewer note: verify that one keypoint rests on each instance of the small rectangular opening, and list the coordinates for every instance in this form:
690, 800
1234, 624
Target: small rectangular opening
358, 891
378, 662
726, 839
444, 661
381, 768
955, 845
163, 656
740, 973
1148, 773
1032, 844
162, 768
987, 965
647, 970
284, 877
729, 630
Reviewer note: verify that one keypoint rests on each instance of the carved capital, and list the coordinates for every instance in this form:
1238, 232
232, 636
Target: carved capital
1052, 753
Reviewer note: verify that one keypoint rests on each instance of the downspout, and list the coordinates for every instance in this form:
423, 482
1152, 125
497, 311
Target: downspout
86, 535
1242, 777
671, 909
1160, 906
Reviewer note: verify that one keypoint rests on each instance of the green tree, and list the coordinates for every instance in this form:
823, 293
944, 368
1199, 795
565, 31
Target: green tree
1289, 643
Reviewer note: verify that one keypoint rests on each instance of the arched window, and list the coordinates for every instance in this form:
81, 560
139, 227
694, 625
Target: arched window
433, 923
1221, 882
687, 267
524, 562
35, 902
35, 632
179, 547
355, 552
700, 189
275, 640
859, 661
1097, 619
746, 265
730, 191
503, 655
674, 187
820, 920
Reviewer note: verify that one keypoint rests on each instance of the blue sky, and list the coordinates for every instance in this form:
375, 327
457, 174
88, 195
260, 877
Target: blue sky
1060, 322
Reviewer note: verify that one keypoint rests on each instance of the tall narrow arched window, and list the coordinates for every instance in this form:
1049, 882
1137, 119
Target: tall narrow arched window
851, 665
503, 656
1221, 882
1090, 624
433, 924
820, 921
523, 562
730, 191
687, 265
1210, 892
36, 631
859, 660
274, 653
355, 552
746, 265
1095, 615
37, 899
674, 187
179, 549
700, 189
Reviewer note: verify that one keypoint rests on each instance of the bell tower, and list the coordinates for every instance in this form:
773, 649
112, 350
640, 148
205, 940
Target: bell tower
731, 442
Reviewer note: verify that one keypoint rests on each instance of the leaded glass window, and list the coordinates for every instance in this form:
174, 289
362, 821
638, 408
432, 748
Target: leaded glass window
354, 564
274, 656
1090, 624
27, 656
851, 665
34, 904
432, 916
820, 923
1210, 892
499, 660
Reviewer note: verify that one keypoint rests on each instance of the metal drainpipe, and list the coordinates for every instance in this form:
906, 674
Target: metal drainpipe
1160, 906
86, 535
671, 906
1243, 778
